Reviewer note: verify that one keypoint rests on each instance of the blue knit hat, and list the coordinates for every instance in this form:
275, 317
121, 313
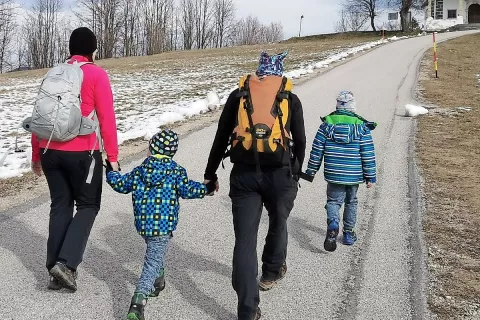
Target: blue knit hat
271, 65
164, 143
346, 101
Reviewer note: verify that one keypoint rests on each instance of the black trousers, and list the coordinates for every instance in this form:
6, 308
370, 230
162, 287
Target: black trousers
277, 191
67, 174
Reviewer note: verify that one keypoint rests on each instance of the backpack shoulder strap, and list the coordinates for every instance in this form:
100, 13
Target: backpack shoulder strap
281, 95
244, 87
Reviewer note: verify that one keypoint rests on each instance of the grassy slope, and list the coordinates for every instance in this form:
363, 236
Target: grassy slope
448, 149
235, 62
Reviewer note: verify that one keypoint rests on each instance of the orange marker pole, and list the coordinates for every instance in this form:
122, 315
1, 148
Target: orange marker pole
435, 60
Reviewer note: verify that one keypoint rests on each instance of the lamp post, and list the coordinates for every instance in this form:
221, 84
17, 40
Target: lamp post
301, 18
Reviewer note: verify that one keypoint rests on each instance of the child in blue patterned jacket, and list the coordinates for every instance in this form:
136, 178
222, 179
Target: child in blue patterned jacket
344, 140
156, 186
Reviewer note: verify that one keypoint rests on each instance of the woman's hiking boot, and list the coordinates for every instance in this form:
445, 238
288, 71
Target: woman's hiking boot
159, 286
266, 285
65, 276
53, 284
349, 237
137, 307
330, 243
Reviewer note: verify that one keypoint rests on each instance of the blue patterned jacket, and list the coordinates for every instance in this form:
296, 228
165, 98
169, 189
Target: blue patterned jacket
156, 186
345, 142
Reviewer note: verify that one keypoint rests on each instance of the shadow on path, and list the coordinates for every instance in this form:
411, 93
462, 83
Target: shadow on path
30, 248
298, 229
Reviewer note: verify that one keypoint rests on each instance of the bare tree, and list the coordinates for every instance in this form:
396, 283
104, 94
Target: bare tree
203, 28
274, 32
157, 18
7, 28
135, 27
41, 32
188, 23
130, 25
104, 18
405, 6
351, 21
366, 8
223, 19
248, 31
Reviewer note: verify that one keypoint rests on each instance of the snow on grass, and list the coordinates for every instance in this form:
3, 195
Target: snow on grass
438, 25
154, 94
413, 110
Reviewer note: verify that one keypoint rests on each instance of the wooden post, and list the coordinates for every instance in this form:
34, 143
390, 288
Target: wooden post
435, 61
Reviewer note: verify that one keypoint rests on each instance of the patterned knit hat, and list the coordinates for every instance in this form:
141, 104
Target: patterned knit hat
271, 65
164, 143
346, 101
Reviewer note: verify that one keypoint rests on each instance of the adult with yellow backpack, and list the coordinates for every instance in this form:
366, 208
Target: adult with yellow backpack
263, 123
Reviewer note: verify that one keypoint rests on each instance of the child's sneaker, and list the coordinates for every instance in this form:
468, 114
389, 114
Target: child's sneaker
349, 237
330, 243
136, 307
159, 286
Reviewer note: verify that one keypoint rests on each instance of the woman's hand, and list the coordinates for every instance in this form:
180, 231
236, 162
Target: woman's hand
115, 166
37, 168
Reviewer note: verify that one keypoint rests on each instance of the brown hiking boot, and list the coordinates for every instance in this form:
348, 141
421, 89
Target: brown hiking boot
65, 276
266, 285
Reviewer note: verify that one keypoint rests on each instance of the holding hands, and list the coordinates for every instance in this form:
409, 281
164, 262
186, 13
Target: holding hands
212, 187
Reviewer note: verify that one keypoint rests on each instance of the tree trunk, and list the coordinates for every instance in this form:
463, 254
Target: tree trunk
404, 19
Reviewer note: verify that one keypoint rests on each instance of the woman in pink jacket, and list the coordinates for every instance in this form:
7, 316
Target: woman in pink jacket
66, 166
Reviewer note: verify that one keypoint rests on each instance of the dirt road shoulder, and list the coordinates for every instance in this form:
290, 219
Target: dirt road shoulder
448, 151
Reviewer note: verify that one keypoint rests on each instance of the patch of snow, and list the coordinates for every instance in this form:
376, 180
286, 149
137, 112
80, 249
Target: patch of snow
413, 110
148, 98
213, 100
438, 25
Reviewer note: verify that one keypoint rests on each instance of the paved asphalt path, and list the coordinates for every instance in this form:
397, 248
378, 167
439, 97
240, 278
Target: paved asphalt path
379, 278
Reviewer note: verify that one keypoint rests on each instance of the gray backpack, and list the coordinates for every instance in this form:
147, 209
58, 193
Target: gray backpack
56, 113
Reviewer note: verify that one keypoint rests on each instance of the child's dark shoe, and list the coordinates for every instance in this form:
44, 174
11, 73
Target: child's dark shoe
330, 243
137, 307
349, 237
159, 286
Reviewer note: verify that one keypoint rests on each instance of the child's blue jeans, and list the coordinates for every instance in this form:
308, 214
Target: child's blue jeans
337, 195
154, 263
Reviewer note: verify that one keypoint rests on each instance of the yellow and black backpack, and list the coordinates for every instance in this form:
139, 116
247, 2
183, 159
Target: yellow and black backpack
261, 135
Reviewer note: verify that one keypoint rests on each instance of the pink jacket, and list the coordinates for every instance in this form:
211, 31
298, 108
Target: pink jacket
96, 93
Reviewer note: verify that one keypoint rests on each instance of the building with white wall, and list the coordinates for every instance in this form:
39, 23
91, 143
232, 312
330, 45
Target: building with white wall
446, 13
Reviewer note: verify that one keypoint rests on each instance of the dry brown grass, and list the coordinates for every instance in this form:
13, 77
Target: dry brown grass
244, 56
449, 154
